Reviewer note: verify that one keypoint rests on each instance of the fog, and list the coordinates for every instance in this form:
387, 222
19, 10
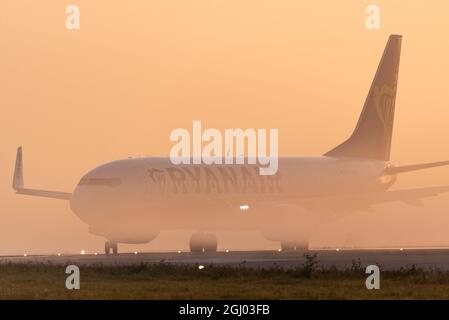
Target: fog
135, 71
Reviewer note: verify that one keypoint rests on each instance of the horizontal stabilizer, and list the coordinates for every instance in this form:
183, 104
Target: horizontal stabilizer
414, 167
364, 201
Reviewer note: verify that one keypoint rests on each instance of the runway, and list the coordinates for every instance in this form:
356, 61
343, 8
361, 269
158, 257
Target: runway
387, 259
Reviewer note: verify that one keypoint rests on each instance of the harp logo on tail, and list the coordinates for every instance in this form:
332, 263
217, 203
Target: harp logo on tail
384, 102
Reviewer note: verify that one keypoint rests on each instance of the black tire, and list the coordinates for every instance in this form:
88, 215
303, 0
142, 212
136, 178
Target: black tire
287, 246
107, 248
115, 248
210, 243
196, 242
302, 246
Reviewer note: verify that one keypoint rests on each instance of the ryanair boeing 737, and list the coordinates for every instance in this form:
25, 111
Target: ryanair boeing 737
132, 200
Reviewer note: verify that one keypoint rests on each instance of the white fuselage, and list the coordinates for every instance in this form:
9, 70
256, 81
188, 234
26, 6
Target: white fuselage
131, 200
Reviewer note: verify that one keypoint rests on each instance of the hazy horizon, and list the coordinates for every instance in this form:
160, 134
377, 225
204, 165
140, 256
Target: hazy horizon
134, 72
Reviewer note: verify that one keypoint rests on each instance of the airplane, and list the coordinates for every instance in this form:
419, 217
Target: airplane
132, 200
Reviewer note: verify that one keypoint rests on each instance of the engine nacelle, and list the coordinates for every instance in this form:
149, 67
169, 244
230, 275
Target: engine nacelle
126, 235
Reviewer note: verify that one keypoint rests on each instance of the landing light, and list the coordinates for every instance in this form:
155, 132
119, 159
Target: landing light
337, 249
227, 250
179, 251
24, 254
244, 207
59, 254
402, 249
96, 253
279, 250
83, 252
135, 252
200, 267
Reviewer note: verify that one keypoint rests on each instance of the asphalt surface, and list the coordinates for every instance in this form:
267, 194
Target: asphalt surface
386, 259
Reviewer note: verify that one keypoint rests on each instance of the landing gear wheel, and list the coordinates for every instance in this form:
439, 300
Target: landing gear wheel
294, 246
203, 242
110, 245
196, 242
210, 243
107, 248
114, 246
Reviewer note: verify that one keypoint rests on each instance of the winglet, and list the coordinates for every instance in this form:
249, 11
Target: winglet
17, 182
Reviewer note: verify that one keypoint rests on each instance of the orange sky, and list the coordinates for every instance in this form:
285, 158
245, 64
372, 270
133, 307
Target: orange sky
136, 70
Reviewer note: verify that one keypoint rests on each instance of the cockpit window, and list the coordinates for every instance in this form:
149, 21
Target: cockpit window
108, 182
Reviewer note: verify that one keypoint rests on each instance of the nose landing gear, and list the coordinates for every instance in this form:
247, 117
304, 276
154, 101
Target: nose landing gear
203, 242
110, 245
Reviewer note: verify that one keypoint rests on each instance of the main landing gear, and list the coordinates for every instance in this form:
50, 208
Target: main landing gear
203, 242
110, 245
294, 246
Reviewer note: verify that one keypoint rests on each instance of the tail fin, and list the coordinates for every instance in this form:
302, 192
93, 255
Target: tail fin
371, 138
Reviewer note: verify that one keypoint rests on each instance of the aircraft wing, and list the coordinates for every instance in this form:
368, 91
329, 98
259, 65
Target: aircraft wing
19, 187
347, 204
364, 201
45, 193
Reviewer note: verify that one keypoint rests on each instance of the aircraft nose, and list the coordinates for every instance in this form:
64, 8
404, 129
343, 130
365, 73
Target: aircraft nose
76, 202
86, 205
